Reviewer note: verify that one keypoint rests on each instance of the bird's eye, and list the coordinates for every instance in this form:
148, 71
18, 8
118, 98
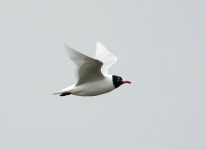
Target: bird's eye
119, 79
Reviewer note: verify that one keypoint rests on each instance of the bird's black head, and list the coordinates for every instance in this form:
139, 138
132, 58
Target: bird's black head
117, 81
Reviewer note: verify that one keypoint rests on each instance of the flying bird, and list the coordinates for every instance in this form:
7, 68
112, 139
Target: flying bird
91, 73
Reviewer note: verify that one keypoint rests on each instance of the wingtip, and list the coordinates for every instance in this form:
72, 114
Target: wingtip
65, 45
98, 42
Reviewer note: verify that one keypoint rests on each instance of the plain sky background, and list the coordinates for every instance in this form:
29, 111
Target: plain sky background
161, 49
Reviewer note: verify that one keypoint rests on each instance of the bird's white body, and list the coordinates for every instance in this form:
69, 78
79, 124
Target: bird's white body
91, 88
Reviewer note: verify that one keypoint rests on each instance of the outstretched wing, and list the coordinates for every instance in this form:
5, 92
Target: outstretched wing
88, 69
104, 56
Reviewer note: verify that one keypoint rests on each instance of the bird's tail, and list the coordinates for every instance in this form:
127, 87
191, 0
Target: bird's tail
57, 93
66, 91
62, 93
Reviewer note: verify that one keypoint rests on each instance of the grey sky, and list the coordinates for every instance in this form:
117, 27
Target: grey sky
160, 47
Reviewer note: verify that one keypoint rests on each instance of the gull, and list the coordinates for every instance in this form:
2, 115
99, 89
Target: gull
91, 73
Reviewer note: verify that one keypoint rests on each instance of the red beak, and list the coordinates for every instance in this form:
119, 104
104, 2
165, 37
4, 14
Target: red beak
127, 82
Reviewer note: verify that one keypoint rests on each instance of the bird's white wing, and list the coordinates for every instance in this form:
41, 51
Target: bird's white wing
88, 69
104, 56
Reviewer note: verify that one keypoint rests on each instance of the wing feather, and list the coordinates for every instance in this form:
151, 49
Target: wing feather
87, 68
104, 56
